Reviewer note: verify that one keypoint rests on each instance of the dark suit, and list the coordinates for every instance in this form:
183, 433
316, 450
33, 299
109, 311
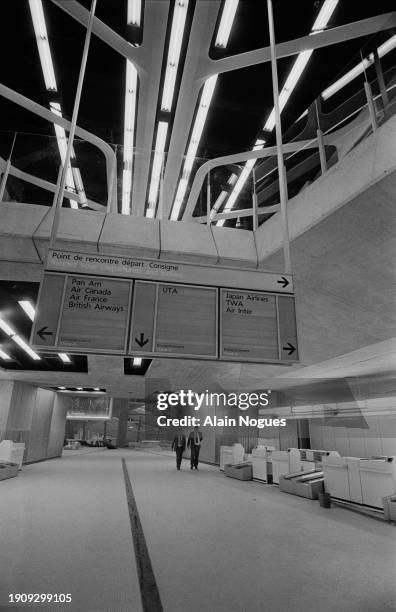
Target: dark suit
179, 445
195, 448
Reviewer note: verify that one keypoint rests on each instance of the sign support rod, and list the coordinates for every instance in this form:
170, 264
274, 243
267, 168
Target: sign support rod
279, 144
7, 170
73, 124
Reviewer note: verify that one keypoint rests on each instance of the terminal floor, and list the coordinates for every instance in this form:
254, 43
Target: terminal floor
216, 544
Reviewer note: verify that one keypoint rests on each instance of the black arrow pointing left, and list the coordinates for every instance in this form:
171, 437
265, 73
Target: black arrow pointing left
42, 333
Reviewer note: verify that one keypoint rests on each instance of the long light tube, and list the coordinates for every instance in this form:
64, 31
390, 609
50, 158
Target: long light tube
175, 42
61, 139
28, 308
4, 355
14, 336
199, 124
134, 12
227, 19
357, 70
293, 77
26, 347
162, 131
40, 30
129, 135
65, 358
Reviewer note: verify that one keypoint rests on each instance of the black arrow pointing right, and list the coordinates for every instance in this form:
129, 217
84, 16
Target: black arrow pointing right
289, 348
284, 282
142, 341
42, 333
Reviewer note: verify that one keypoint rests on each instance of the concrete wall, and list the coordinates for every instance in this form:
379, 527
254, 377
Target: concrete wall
280, 437
379, 438
34, 416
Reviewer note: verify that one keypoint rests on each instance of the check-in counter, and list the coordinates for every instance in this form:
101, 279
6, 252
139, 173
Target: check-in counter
294, 460
336, 480
231, 455
262, 462
304, 484
378, 479
280, 465
12, 452
355, 485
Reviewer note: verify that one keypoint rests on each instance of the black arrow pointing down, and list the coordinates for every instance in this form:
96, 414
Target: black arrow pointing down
142, 341
289, 348
42, 333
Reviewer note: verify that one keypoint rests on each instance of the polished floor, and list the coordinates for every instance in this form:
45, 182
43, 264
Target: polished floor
215, 544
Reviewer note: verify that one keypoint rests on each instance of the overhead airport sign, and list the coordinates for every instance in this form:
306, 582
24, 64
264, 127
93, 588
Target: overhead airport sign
159, 270
174, 320
95, 314
82, 313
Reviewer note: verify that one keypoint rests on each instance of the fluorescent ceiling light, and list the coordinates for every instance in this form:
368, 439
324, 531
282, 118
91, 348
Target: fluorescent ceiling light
40, 29
28, 308
129, 135
4, 355
233, 177
25, 347
227, 19
199, 123
293, 77
162, 131
325, 14
62, 388
175, 42
301, 62
137, 361
79, 388
10, 332
6, 328
291, 82
134, 12
65, 358
357, 70
219, 201
96, 389
61, 139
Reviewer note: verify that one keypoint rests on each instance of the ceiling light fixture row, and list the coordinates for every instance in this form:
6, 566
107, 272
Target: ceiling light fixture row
292, 79
73, 176
223, 33
167, 100
82, 389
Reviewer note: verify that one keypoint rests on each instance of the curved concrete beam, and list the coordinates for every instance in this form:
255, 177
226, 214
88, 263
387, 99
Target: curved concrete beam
102, 31
152, 52
332, 36
41, 111
196, 63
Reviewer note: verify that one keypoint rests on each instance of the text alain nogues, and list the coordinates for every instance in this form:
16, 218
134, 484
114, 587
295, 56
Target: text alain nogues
214, 421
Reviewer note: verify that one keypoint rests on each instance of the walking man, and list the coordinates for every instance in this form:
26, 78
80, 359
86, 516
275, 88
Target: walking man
194, 442
179, 445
